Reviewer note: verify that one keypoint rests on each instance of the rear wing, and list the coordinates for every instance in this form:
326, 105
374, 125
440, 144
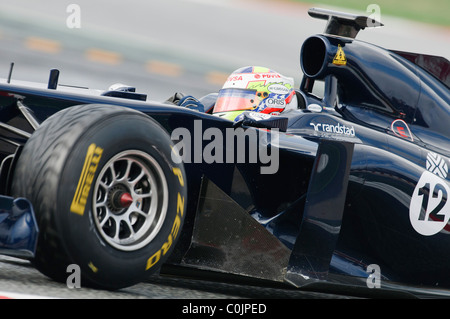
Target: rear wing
343, 24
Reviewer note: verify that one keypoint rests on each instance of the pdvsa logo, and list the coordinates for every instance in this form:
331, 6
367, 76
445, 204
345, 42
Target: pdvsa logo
235, 78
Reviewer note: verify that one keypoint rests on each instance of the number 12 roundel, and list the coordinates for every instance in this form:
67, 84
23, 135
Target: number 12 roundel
429, 210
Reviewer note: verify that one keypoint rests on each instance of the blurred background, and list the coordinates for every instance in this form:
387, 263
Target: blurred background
190, 46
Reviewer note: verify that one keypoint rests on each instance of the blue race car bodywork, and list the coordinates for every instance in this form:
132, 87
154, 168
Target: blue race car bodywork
362, 165
18, 227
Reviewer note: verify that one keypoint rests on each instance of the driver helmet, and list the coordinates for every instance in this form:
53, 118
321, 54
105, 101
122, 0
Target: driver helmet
256, 89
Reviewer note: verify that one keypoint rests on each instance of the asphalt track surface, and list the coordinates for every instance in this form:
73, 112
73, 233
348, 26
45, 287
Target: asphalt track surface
162, 47
20, 280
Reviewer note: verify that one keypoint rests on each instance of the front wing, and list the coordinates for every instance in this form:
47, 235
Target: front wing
18, 227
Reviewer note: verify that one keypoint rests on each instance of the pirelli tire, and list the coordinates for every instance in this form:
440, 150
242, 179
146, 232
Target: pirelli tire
108, 197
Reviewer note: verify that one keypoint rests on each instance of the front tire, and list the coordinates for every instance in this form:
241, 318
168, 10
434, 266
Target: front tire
107, 196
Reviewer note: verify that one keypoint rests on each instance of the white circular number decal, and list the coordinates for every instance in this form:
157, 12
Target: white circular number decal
429, 210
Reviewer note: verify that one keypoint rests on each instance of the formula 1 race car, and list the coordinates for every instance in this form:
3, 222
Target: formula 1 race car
349, 190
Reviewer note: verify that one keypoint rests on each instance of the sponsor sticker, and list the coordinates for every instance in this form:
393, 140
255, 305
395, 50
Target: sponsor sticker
437, 165
278, 88
314, 108
340, 129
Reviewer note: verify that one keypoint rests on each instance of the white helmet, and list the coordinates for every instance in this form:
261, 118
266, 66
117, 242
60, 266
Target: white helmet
255, 89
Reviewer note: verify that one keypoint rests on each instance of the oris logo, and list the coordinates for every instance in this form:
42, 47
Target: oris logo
275, 102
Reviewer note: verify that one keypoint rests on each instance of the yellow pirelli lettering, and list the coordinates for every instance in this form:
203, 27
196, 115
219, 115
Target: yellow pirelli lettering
93, 155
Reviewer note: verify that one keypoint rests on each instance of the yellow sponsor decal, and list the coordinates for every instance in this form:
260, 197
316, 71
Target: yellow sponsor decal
93, 155
340, 58
153, 260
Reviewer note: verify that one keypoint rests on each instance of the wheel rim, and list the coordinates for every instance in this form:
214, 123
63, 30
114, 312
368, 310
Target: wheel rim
130, 200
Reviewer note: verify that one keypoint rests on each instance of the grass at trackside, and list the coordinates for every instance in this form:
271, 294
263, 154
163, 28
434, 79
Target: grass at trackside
428, 11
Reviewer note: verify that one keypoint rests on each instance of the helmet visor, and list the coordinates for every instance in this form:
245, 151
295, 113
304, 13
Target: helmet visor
235, 100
